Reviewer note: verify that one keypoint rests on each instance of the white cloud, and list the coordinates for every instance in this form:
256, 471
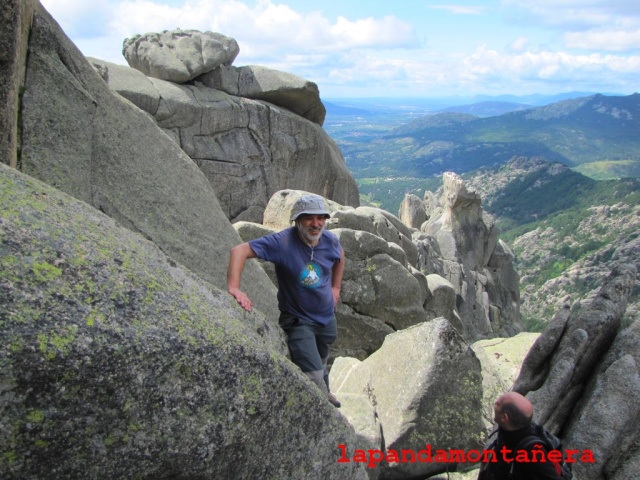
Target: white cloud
519, 44
577, 14
588, 25
382, 56
389, 32
141, 16
268, 33
608, 40
460, 9
551, 67
267, 28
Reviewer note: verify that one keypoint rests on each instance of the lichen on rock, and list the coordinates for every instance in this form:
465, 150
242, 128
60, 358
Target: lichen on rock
118, 362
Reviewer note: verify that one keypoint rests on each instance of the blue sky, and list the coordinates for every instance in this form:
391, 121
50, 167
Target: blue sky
399, 48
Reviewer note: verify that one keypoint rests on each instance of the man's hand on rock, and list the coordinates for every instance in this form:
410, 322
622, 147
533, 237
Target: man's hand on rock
241, 298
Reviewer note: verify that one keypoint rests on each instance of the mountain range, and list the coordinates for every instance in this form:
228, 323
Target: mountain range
596, 134
487, 109
560, 179
392, 151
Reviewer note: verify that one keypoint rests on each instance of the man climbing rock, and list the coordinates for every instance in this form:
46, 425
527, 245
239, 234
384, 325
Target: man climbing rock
309, 263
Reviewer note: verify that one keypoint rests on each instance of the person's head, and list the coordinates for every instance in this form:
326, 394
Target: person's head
309, 214
512, 411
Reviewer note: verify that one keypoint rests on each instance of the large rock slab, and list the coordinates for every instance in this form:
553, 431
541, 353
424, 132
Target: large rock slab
351, 383
568, 359
118, 363
284, 89
130, 83
179, 55
382, 294
378, 222
441, 300
623, 461
82, 138
412, 211
376, 281
247, 149
607, 420
439, 406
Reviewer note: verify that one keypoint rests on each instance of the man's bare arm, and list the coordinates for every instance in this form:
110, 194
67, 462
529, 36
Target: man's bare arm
336, 277
237, 259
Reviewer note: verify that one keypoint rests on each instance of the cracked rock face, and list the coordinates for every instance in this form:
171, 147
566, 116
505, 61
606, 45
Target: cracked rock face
179, 55
247, 149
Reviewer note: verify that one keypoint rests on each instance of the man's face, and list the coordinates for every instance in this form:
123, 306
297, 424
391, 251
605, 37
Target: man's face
498, 415
311, 227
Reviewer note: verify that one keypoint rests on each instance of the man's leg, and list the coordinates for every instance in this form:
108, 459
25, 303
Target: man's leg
309, 349
325, 336
304, 353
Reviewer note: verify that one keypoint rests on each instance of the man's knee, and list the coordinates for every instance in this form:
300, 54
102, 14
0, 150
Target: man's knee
303, 350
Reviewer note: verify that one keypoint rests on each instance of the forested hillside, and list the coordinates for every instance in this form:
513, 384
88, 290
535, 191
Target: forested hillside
566, 230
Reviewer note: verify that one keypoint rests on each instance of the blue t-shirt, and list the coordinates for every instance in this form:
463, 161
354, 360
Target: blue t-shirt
304, 285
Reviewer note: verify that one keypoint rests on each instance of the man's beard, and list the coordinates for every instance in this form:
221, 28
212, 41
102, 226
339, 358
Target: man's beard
308, 236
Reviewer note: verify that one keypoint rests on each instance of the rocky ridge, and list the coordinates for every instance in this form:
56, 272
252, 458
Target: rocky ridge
582, 377
460, 243
251, 130
397, 276
87, 141
606, 231
247, 149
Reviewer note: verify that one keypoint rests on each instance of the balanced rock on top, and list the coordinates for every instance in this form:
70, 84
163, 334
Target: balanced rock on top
179, 55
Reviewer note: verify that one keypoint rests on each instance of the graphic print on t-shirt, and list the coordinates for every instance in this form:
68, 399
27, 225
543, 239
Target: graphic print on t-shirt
310, 276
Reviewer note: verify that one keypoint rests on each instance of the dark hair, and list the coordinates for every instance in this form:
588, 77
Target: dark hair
517, 418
